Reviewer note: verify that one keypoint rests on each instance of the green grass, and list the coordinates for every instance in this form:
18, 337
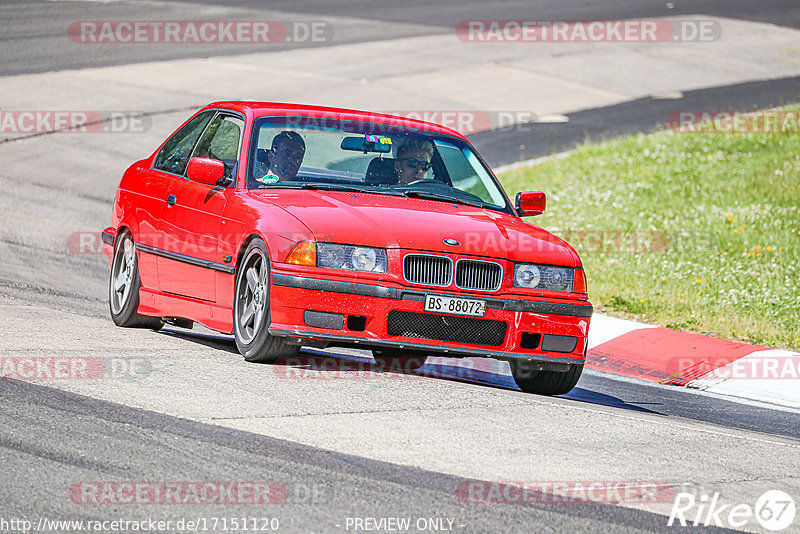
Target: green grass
712, 222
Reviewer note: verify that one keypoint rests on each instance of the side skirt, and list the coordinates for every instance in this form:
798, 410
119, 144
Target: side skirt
209, 314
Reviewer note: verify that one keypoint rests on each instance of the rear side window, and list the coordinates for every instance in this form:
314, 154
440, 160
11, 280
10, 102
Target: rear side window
174, 156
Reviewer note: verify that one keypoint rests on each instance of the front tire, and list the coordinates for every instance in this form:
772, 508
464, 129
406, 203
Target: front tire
251, 317
531, 380
123, 287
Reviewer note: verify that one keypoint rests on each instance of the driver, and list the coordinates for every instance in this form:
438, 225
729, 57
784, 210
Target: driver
283, 159
413, 160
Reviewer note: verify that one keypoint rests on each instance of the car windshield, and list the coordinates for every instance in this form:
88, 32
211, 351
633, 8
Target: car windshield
329, 153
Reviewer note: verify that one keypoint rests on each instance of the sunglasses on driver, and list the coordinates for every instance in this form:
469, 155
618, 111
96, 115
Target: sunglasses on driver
414, 163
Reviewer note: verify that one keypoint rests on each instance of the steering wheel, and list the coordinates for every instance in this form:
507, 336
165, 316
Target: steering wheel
425, 181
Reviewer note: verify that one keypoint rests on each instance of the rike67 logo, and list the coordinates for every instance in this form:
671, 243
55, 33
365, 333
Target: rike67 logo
774, 510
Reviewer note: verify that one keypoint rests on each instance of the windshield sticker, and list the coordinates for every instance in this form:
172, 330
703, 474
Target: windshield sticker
378, 139
268, 179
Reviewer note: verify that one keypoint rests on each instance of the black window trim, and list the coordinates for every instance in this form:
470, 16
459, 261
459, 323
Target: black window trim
224, 113
152, 167
218, 111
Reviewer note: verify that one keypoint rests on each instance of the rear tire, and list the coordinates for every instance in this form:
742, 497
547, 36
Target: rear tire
530, 380
123, 287
397, 359
251, 309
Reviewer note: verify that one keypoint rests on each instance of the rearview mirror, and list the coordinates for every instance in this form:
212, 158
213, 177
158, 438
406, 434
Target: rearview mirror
368, 143
530, 203
205, 170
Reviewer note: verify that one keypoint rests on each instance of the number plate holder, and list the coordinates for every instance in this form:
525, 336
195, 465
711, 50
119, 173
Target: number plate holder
455, 306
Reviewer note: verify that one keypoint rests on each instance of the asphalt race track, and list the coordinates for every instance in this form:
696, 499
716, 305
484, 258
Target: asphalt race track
36, 40
182, 406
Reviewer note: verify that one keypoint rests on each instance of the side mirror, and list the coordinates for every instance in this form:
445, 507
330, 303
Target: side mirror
530, 203
205, 170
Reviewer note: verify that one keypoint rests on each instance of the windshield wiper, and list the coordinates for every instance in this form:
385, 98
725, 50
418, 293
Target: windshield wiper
333, 187
298, 185
427, 195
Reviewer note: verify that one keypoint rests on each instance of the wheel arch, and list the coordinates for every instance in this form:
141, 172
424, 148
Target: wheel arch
246, 243
127, 225
121, 229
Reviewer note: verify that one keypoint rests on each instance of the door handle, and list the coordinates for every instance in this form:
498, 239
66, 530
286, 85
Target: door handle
171, 200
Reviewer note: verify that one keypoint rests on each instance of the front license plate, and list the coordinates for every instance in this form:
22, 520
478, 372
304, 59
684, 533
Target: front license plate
455, 306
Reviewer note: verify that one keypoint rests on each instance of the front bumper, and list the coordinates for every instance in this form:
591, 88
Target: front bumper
358, 314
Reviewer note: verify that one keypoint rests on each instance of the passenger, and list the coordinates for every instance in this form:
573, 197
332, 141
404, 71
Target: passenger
283, 159
414, 157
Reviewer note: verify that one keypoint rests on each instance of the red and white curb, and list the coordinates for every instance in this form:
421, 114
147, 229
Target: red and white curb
637, 350
641, 351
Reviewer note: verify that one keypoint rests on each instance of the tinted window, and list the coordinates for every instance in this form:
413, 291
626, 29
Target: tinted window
221, 142
174, 156
467, 173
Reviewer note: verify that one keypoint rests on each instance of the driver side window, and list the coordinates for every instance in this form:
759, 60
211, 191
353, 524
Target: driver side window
221, 142
174, 155
466, 173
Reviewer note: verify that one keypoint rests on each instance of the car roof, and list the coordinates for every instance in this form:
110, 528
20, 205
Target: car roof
262, 109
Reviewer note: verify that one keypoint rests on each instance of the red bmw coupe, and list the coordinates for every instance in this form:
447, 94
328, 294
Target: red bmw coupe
289, 225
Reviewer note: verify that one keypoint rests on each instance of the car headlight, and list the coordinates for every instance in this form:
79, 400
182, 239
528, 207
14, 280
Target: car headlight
351, 257
533, 276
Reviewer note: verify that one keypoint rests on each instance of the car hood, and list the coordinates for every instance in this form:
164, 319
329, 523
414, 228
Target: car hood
417, 224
